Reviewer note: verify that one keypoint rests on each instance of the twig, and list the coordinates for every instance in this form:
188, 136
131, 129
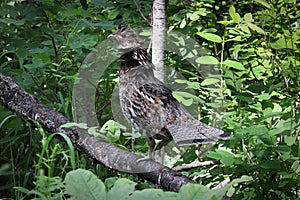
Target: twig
138, 7
286, 80
222, 184
51, 37
194, 164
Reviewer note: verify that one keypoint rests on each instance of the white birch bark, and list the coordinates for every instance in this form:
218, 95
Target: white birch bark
159, 30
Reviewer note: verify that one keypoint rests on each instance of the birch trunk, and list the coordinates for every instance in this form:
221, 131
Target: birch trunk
159, 30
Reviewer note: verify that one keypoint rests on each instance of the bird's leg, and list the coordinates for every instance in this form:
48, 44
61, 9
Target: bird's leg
133, 140
151, 146
132, 144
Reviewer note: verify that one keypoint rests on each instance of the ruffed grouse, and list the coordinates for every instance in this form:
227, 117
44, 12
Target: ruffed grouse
149, 105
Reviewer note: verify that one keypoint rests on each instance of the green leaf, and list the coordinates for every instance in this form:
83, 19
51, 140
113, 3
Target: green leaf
248, 17
290, 140
121, 189
181, 97
237, 38
210, 36
83, 184
207, 60
257, 130
245, 28
235, 16
113, 14
79, 125
264, 96
255, 28
182, 24
22, 53
283, 43
263, 2
225, 23
296, 166
12, 21
271, 164
194, 16
193, 191
234, 64
183, 94
149, 194
209, 81
224, 155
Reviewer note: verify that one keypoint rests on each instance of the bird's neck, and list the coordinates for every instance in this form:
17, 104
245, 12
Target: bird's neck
134, 59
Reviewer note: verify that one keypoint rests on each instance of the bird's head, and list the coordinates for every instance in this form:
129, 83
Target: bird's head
126, 38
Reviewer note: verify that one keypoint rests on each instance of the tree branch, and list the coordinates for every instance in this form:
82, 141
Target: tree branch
22, 103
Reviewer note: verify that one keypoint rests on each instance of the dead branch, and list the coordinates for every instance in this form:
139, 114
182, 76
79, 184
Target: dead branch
193, 164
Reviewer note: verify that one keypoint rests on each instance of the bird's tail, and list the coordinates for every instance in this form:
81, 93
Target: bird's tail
192, 131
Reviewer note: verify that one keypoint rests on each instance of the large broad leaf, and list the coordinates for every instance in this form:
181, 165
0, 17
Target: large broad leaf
210, 81
191, 191
234, 64
156, 194
210, 36
224, 155
264, 96
82, 184
210, 60
113, 14
121, 189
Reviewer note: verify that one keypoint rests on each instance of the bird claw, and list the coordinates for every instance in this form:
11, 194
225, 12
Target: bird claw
145, 158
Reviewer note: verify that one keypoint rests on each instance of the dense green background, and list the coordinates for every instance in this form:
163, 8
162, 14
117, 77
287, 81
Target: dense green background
255, 44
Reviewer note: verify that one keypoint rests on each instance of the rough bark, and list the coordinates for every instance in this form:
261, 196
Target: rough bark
159, 31
24, 104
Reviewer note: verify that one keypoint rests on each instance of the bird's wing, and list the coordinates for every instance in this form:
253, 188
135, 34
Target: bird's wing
184, 129
158, 110
147, 104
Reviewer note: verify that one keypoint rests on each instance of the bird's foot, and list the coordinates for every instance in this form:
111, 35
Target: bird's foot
144, 158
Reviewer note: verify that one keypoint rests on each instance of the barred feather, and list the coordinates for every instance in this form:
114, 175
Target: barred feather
149, 105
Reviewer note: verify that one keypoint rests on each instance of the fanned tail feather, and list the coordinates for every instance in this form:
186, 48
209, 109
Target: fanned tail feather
192, 131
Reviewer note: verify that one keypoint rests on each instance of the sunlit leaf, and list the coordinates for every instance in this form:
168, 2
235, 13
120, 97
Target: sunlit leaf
264, 96
210, 81
183, 23
234, 64
263, 2
255, 28
210, 36
245, 28
248, 17
290, 140
207, 60
235, 16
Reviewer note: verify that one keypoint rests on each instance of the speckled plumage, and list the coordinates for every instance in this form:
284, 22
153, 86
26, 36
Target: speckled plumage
149, 105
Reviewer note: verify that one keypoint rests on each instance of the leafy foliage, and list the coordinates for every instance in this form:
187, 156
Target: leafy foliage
254, 43
83, 184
